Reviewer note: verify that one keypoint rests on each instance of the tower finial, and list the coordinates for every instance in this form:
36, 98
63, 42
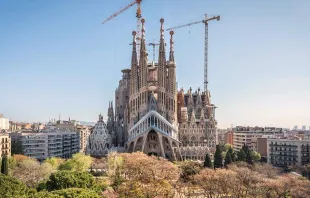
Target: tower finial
162, 28
134, 33
171, 55
142, 28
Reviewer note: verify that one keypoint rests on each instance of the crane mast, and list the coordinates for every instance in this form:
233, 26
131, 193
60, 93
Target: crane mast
205, 21
153, 44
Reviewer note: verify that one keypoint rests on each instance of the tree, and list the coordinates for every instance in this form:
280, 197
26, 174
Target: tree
207, 163
76, 193
4, 165
12, 187
255, 156
188, 170
54, 162
31, 172
115, 166
232, 154
148, 176
19, 158
227, 147
228, 159
241, 155
246, 150
67, 193
78, 162
69, 179
208, 181
218, 159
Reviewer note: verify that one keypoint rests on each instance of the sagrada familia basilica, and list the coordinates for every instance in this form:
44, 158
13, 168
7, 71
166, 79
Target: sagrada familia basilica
151, 115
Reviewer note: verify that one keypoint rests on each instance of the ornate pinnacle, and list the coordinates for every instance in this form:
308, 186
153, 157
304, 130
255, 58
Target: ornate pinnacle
162, 28
142, 29
134, 33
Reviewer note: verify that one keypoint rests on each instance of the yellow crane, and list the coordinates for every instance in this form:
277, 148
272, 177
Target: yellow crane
204, 21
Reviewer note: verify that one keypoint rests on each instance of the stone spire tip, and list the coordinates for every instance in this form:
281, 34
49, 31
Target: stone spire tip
162, 28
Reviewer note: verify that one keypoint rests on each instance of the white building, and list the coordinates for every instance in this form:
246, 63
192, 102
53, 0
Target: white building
286, 152
4, 123
48, 143
247, 135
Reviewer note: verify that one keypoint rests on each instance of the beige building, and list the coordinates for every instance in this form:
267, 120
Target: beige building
286, 152
70, 124
5, 145
84, 133
247, 135
197, 125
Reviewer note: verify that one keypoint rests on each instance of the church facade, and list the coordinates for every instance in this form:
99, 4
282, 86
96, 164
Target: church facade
152, 116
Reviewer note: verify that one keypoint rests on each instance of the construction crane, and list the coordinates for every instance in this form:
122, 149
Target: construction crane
205, 21
151, 44
138, 16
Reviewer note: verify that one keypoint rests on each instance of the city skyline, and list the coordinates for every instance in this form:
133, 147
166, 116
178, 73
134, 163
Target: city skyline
65, 61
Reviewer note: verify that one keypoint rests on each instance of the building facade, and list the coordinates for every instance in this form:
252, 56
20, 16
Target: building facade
152, 116
197, 126
247, 135
5, 145
48, 143
286, 152
84, 133
100, 141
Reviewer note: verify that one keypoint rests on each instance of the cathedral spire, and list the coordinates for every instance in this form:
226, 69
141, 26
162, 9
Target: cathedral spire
171, 55
134, 85
134, 49
162, 57
142, 46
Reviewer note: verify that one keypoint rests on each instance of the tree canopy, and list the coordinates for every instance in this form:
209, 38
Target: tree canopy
228, 159
5, 165
12, 187
241, 155
31, 172
207, 163
147, 176
70, 179
218, 159
78, 162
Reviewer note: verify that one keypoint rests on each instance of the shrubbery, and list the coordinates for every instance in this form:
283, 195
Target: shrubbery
70, 179
12, 187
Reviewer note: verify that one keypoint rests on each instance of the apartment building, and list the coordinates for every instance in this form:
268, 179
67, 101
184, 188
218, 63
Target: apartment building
229, 138
287, 152
84, 133
48, 143
247, 135
5, 145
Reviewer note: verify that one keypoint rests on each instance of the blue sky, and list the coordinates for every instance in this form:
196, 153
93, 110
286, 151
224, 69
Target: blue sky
56, 56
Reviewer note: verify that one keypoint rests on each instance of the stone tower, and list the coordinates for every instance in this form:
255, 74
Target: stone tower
162, 73
171, 90
143, 73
